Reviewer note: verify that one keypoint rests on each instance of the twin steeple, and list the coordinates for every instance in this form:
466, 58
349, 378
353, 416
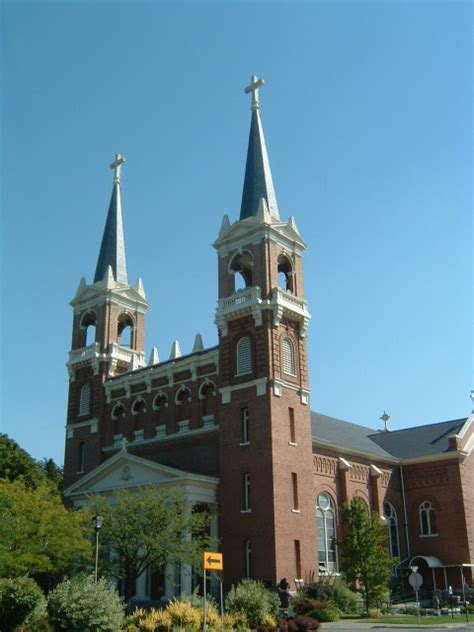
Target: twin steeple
112, 249
258, 182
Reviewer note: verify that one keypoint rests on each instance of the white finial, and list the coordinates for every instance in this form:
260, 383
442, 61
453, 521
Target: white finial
198, 345
472, 401
117, 165
255, 84
175, 350
124, 445
385, 418
154, 358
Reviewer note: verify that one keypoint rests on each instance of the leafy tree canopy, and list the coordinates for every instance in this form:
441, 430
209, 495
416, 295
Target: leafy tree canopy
17, 463
366, 563
152, 526
38, 534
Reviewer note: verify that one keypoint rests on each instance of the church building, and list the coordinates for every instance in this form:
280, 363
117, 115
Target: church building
232, 424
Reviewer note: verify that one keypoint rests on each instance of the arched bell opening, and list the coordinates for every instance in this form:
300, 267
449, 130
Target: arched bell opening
241, 266
125, 329
286, 274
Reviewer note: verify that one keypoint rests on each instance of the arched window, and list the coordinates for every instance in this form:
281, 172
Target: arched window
183, 403
139, 406
427, 519
326, 525
288, 352
85, 400
207, 392
392, 520
244, 356
118, 411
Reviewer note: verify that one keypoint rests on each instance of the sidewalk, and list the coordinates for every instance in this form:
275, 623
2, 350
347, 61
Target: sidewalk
353, 624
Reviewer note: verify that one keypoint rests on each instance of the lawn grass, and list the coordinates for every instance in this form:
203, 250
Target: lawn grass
409, 619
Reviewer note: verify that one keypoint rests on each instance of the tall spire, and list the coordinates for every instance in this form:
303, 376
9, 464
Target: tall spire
112, 249
258, 181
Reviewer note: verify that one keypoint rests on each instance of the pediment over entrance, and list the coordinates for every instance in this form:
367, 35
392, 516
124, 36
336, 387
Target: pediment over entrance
127, 471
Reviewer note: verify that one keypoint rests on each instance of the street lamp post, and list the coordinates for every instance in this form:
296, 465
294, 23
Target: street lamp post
97, 521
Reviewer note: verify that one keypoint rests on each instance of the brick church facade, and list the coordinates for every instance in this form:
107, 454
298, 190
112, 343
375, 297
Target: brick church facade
232, 424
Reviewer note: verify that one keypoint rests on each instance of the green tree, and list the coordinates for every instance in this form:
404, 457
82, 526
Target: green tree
366, 562
16, 463
151, 527
38, 535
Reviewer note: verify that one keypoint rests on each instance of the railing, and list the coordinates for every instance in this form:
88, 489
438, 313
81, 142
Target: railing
85, 353
125, 354
239, 300
284, 297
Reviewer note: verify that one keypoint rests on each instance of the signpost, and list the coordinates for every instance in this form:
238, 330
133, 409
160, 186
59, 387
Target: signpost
416, 581
212, 562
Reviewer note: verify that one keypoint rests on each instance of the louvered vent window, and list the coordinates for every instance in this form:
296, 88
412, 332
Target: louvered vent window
288, 357
85, 400
244, 356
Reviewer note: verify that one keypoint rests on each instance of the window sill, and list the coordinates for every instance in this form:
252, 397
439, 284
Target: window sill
244, 443
245, 511
428, 535
242, 374
296, 511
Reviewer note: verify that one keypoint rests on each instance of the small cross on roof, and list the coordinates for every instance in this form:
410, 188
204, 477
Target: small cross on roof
255, 84
117, 165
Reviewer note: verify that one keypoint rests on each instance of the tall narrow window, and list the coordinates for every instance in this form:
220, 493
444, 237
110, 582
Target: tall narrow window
391, 515
244, 356
326, 525
427, 519
81, 458
288, 350
294, 485
85, 400
298, 559
246, 506
248, 558
244, 426
291, 418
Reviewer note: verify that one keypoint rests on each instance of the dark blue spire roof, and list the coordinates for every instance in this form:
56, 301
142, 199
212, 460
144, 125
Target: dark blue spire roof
258, 181
112, 249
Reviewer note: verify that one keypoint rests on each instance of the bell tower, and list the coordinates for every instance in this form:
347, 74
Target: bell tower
267, 504
107, 339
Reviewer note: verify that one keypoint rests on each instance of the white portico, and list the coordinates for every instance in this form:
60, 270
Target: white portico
127, 471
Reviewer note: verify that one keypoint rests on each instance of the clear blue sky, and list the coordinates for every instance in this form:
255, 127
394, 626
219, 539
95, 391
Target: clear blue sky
367, 111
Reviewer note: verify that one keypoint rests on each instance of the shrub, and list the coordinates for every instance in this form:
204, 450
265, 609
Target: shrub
235, 620
18, 598
304, 623
183, 614
136, 616
254, 600
81, 605
325, 615
345, 599
303, 605
37, 620
156, 621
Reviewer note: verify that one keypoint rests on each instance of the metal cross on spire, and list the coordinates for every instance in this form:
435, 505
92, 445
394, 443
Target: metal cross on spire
255, 84
117, 165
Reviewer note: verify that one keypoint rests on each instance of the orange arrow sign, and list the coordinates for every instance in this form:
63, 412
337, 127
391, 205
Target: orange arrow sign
213, 561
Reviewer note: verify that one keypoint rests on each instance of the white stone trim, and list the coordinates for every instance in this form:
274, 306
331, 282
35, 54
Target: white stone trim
93, 423
260, 385
168, 437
